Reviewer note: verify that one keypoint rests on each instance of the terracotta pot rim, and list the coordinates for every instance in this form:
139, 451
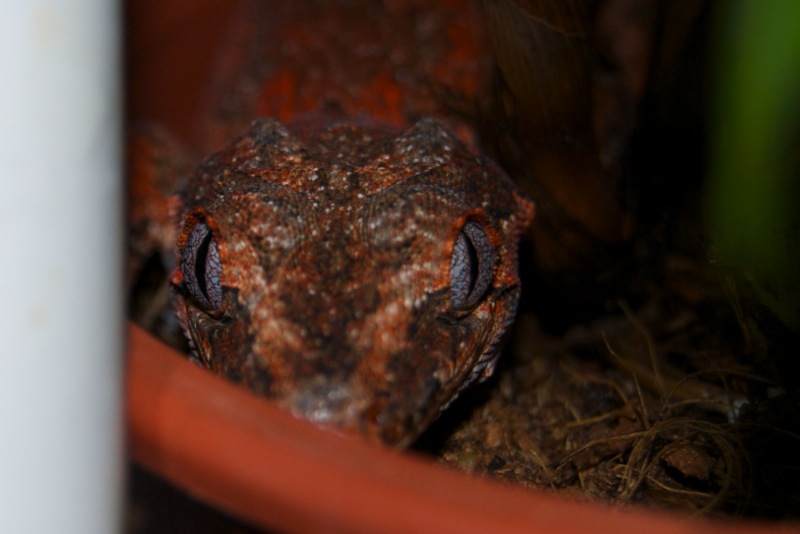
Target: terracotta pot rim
249, 458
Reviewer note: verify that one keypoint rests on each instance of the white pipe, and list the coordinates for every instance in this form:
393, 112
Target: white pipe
61, 245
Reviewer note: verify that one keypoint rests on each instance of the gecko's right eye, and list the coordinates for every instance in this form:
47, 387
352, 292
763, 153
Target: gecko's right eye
202, 270
471, 266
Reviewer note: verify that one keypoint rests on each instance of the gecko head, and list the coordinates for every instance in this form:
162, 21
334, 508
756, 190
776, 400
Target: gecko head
357, 275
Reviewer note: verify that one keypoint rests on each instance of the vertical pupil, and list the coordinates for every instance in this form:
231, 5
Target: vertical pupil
200, 264
472, 257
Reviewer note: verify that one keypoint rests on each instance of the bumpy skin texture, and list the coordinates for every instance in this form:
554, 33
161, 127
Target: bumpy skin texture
358, 274
357, 265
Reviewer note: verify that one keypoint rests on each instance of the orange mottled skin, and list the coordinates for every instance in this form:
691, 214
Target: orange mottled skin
395, 61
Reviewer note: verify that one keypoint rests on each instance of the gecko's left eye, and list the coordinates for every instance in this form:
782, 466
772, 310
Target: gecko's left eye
471, 266
201, 267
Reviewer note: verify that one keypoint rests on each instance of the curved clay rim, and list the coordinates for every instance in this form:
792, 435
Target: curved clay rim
251, 459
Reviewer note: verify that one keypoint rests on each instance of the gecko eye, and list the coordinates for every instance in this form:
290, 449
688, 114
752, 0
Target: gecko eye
201, 267
471, 266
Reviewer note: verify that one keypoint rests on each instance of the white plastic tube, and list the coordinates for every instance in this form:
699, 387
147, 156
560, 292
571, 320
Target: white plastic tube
61, 244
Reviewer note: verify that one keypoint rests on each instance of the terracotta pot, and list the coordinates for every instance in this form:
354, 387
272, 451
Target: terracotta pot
247, 457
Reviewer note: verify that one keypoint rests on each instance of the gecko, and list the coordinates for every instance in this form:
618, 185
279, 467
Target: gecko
346, 254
